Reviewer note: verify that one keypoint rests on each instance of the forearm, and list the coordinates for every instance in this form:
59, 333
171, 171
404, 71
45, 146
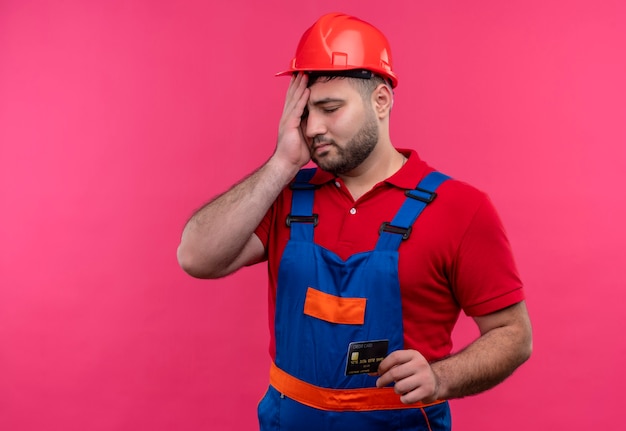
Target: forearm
485, 363
218, 239
217, 233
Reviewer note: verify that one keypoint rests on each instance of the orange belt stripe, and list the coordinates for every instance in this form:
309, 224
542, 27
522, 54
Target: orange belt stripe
366, 399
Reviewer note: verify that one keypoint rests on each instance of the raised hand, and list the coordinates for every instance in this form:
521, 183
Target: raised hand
291, 146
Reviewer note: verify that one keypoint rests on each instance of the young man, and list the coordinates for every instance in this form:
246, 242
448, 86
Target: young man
371, 257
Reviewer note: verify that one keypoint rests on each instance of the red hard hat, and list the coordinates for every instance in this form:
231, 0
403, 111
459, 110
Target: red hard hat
339, 42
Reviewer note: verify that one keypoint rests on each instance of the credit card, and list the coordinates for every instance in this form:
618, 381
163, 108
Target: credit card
365, 356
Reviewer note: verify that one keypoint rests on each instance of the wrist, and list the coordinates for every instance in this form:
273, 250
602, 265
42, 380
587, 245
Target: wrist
283, 166
441, 392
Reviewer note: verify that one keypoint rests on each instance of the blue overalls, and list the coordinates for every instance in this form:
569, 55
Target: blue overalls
323, 304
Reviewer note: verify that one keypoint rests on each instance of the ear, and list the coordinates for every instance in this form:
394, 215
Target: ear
382, 100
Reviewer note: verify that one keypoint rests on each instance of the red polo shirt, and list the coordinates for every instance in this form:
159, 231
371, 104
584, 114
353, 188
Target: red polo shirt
457, 257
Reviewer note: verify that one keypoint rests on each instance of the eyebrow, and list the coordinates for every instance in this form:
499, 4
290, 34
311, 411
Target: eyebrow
326, 100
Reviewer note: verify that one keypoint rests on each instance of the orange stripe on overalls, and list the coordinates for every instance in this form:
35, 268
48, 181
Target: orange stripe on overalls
366, 399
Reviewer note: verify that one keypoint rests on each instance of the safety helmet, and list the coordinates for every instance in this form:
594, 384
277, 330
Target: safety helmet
339, 42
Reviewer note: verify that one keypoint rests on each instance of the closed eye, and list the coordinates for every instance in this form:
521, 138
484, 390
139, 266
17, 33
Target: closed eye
330, 110
327, 105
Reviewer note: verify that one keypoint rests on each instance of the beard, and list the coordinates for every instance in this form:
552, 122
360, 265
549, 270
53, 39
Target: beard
352, 154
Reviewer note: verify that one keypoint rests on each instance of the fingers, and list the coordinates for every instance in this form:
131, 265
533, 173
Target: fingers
411, 374
295, 105
394, 366
297, 96
291, 145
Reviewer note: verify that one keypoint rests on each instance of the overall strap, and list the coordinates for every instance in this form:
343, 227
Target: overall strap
393, 233
301, 219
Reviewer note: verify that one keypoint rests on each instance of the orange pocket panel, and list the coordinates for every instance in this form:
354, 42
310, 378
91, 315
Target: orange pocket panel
334, 309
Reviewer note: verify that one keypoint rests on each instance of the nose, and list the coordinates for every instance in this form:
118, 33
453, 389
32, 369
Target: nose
314, 125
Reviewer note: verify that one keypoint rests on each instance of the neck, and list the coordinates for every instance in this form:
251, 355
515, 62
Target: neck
384, 161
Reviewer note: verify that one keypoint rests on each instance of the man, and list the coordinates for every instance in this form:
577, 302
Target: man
371, 258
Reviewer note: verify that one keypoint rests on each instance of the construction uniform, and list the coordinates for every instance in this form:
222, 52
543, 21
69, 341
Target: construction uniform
330, 311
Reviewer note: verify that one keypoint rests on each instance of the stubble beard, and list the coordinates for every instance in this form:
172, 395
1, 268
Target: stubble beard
351, 155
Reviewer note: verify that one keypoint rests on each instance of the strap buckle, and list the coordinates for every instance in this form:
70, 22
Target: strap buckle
301, 219
418, 194
388, 227
302, 186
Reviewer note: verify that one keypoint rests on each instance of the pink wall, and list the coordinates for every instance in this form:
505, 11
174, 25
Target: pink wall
118, 118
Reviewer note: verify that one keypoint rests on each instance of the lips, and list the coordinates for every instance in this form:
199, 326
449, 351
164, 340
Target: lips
321, 147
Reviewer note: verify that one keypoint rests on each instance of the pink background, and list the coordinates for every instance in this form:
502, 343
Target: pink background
118, 118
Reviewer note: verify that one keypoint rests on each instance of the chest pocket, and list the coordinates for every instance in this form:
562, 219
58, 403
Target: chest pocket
334, 309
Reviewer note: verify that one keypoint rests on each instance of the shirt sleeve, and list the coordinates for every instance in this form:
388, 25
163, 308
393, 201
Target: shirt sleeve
486, 277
